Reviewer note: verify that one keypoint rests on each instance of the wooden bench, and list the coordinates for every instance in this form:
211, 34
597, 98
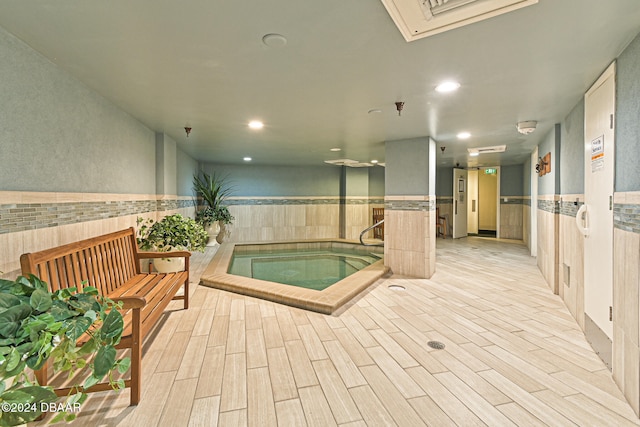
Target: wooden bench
111, 263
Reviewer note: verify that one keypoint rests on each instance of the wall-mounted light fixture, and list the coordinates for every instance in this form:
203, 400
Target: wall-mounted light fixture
543, 166
187, 130
399, 106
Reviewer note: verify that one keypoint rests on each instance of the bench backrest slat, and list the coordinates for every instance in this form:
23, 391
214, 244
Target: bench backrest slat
105, 262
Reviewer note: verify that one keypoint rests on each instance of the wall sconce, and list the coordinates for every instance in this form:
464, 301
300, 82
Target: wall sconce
543, 166
399, 106
187, 130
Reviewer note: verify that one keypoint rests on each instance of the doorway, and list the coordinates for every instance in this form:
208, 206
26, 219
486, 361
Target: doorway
597, 222
488, 202
460, 190
476, 202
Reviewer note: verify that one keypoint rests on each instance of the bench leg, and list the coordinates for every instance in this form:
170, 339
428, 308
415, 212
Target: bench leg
186, 285
136, 358
42, 374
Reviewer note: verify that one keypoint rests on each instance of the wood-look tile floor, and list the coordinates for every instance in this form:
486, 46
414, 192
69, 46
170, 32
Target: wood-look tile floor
513, 356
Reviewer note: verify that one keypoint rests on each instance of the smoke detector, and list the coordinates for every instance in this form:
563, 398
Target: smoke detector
527, 127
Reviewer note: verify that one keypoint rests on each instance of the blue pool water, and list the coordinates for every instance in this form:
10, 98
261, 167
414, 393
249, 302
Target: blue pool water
308, 268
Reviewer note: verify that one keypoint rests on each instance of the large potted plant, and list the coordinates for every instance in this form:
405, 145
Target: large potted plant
173, 232
208, 218
213, 190
36, 326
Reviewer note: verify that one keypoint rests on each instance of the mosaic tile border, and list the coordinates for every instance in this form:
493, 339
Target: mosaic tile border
444, 200
31, 216
570, 208
549, 206
511, 200
410, 205
302, 201
626, 217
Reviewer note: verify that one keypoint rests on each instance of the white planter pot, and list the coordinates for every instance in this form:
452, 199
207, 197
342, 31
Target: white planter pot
168, 265
213, 230
224, 231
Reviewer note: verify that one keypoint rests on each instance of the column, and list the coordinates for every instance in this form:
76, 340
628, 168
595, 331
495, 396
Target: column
410, 203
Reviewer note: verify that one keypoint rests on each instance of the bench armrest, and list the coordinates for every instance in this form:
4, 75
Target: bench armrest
172, 254
131, 302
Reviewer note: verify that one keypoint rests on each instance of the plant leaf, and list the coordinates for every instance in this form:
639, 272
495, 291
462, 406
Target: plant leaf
11, 319
105, 359
76, 327
41, 300
113, 325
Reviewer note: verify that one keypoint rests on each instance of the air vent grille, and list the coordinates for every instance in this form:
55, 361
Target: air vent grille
421, 18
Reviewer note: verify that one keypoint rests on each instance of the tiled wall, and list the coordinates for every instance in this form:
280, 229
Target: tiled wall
409, 235
548, 239
511, 217
526, 221
571, 257
626, 282
299, 218
31, 221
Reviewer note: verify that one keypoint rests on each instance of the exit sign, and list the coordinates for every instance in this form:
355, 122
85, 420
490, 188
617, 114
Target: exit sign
490, 171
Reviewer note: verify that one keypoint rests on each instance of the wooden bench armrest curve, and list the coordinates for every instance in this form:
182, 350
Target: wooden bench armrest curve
131, 302
172, 254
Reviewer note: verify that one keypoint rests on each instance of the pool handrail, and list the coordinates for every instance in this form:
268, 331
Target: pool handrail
366, 230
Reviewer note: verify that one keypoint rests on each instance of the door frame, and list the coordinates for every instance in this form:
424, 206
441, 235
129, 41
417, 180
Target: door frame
533, 211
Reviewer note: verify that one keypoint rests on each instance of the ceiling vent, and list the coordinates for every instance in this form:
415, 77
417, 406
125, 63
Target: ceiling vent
486, 150
349, 162
422, 18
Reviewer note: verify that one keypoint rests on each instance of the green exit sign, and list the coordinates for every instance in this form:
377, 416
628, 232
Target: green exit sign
490, 171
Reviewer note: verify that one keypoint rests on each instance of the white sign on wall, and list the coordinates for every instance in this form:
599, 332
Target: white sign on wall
597, 154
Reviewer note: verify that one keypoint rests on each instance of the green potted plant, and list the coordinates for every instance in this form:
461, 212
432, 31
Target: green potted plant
37, 325
213, 190
173, 232
208, 218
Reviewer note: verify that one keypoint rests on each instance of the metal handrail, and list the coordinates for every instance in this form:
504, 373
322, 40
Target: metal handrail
366, 230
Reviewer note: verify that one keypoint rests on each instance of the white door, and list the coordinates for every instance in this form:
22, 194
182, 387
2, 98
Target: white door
472, 205
595, 218
459, 203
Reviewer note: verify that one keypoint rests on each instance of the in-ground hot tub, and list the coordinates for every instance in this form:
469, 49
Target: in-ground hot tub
286, 262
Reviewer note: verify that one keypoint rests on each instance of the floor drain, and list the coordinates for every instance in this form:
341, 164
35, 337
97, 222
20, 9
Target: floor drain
396, 288
436, 344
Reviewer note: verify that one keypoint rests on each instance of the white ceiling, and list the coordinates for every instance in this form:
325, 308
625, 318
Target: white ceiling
202, 64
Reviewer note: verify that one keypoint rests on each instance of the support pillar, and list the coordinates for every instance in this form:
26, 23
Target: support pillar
410, 203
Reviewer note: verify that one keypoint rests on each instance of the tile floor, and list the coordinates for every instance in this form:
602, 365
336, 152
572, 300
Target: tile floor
513, 356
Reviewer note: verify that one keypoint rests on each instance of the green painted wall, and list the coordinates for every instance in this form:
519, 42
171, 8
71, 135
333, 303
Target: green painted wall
56, 135
627, 126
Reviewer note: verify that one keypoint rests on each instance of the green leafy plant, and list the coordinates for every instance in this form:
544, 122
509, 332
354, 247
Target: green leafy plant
173, 232
214, 190
77, 329
208, 215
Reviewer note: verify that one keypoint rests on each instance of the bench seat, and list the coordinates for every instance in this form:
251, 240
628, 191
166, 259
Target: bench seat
111, 263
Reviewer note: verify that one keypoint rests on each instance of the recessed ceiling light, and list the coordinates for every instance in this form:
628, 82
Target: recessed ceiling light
464, 135
374, 110
256, 124
336, 149
474, 154
448, 86
247, 159
374, 161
